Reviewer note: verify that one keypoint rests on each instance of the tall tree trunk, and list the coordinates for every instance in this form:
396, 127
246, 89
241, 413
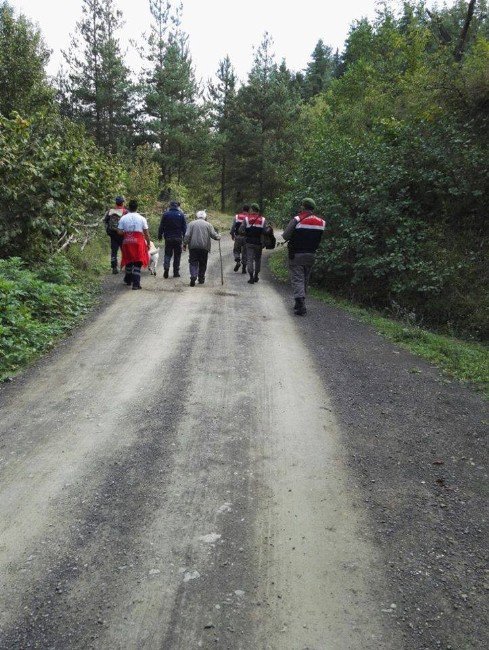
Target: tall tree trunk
223, 182
459, 50
98, 116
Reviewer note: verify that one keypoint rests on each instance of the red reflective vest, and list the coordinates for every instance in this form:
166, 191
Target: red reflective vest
307, 233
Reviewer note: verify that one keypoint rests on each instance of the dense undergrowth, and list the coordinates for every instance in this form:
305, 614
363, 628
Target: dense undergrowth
37, 306
463, 360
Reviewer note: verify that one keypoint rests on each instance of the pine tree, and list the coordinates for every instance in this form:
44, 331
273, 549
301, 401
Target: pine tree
320, 71
170, 94
265, 134
96, 90
23, 58
222, 100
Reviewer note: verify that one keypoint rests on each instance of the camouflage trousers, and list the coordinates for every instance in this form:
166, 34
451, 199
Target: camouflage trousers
239, 249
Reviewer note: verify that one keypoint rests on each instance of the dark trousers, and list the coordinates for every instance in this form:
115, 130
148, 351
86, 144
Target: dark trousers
173, 247
253, 258
133, 274
197, 261
115, 245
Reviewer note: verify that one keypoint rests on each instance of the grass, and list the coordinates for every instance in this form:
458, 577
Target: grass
462, 360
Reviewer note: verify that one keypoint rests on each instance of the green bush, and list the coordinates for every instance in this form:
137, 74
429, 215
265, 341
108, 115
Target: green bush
36, 307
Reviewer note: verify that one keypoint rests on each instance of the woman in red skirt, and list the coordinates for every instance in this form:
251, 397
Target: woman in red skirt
134, 228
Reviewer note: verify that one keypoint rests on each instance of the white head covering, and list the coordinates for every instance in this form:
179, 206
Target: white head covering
201, 214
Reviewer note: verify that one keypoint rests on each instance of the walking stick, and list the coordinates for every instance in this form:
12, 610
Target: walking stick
220, 257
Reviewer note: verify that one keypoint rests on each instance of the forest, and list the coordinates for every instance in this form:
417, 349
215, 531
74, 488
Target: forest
388, 135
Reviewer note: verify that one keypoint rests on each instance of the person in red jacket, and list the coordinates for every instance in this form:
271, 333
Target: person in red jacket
303, 233
133, 227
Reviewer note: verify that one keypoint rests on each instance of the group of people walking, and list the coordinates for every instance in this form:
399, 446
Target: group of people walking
247, 231
129, 231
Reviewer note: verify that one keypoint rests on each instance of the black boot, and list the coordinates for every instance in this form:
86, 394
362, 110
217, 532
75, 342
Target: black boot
243, 270
297, 304
176, 274
192, 282
256, 278
301, 308
165, 273
114, 270
252, 279
237, 265
201, 279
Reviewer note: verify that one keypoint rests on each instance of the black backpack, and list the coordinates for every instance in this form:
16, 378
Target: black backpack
269, 240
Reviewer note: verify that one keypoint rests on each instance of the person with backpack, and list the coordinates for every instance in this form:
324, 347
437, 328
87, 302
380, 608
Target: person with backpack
303, 234
133, 227
198, 239
253, 228
111, 221
172, 227
239, 249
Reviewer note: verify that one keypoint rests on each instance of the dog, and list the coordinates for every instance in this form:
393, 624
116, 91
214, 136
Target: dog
154, 254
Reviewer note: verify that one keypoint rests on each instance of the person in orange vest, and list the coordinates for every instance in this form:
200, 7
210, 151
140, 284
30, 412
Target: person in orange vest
239, 250
253, 228
303, 234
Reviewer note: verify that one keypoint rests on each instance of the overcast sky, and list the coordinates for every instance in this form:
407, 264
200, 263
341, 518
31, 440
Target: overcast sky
217, 27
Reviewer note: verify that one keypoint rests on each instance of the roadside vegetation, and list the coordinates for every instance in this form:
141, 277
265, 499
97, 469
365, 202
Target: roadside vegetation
466, 361
389, 136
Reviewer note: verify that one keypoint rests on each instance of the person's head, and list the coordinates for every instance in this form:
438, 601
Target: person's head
201, 214
120, 200
246, 208
174, 204
254, 207
133, 205
308, 204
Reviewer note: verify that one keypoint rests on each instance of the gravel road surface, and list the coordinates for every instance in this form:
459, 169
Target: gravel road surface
193, 467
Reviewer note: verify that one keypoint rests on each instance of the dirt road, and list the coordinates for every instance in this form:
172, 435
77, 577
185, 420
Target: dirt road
174, 477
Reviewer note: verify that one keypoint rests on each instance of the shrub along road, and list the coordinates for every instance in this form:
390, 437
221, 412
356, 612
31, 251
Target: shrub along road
198, 468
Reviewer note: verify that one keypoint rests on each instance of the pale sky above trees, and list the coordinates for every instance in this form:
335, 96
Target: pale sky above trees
216, 27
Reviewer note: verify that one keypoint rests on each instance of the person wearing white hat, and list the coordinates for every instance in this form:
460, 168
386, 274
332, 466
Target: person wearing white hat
198, 239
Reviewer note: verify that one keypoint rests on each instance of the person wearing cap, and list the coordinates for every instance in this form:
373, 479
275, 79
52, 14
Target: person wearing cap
239, 249
133, 227
303, 234
172, 227
252, 228
198, 239
111, 221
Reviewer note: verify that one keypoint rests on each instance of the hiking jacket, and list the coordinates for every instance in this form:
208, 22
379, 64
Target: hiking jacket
253, 227
172, 225
199, 234
304, 233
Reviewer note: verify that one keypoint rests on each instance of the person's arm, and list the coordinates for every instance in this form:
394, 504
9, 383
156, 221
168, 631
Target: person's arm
184, 225
213, 233
289, 230
232, 232
161, 229
146, 236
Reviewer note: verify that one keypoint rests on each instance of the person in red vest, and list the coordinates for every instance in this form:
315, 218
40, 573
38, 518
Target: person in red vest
253, 228
133, 227
239, 250
303, 234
